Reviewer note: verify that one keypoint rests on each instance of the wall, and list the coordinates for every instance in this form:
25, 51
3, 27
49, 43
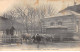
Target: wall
67, 21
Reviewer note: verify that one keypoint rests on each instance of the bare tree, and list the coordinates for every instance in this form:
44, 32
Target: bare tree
42, 12
37, 14
31, 17
17, 14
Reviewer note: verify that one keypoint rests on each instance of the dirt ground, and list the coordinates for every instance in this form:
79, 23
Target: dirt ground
72, 46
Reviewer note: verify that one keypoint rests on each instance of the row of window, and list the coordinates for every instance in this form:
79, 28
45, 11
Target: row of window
52, 23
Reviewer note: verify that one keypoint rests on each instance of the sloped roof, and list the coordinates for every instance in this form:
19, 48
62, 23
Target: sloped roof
75, 8
6, 23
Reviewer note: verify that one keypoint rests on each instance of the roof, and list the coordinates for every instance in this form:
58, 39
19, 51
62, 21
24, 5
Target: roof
6, 23
75, 8
63, 17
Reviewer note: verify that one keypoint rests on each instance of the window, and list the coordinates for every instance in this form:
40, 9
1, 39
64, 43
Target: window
77, 22
59, 23
51, 24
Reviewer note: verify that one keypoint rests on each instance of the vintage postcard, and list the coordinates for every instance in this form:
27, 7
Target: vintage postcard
43, 25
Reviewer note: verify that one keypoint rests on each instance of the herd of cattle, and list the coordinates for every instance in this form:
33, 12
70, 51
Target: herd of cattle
37, 38
29, 38
48, 37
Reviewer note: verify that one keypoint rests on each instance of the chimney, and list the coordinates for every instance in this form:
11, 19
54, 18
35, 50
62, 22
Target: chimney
74, 2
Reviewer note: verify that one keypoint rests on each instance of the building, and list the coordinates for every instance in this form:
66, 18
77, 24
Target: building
10, 28
6, 23
60, 24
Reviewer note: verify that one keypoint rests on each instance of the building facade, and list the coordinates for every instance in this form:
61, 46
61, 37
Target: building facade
61, 24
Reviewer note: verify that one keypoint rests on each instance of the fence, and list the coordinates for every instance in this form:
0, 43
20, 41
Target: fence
13, 39
10, 40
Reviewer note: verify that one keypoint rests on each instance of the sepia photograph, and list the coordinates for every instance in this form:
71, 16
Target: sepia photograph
42, 25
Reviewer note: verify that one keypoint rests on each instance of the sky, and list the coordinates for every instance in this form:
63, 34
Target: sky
6, 5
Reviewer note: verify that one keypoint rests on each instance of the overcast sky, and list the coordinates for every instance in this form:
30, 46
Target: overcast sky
6, 5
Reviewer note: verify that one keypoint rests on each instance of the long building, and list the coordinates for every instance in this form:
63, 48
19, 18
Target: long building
61, 24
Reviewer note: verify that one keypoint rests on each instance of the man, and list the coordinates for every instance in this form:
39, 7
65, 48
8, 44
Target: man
38, 39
